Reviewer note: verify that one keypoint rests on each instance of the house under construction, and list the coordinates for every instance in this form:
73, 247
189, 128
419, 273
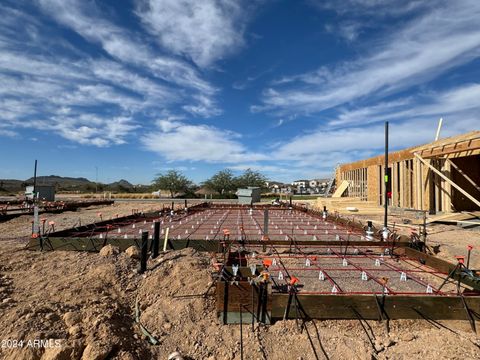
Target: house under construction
443, 176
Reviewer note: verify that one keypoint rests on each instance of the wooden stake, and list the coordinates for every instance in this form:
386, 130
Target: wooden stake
165, 242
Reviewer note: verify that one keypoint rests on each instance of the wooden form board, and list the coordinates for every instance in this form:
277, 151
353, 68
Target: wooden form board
94, 245
395, 306
438, 264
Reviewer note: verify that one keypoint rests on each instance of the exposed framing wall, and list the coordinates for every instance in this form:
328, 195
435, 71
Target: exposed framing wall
414, 184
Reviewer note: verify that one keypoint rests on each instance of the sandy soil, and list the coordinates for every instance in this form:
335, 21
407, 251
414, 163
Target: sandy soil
86, 302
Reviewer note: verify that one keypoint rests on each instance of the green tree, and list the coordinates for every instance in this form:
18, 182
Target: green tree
251, 178
173, 181
222, 182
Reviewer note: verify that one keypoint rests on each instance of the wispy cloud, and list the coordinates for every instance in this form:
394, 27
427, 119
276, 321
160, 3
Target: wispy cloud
97, 97
376, 8
204, 31
460, 103
420, 51
87, 20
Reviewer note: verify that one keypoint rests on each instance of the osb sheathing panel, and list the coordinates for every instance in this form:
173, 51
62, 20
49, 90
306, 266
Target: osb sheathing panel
373, 183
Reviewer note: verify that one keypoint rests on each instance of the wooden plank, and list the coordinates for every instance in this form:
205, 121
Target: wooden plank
439, 264
85, 244
448, 180
441, 217
396, 306
341, 189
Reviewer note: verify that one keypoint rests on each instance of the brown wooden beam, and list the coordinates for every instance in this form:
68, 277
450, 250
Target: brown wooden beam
395, 306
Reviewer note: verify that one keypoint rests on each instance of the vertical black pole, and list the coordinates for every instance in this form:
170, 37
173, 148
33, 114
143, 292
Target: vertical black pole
185, 203
469, 248
386, 179
35, 181
36, 225
143, 260
173, 206
290, 201
156, 238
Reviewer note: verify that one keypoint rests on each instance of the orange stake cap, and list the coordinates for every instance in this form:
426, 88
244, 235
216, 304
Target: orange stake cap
267, 262
470, 247
460, 259
293, 280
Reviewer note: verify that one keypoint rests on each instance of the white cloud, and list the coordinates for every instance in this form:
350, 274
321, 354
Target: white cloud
358, 142
178, 141
459, 103
92, 130
205, 31
423, 49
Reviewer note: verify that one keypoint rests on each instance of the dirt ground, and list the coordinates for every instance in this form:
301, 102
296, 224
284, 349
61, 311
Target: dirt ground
82, 306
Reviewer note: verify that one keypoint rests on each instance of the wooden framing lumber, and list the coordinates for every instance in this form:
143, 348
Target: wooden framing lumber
341, 189
475, 201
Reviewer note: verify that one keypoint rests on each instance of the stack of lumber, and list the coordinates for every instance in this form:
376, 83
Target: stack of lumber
349, 205
459, 218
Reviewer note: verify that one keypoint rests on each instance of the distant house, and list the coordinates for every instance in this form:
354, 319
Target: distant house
310, 187
278, 187
301, 183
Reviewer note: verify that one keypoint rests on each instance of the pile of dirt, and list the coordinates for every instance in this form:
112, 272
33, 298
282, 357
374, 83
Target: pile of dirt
79, 300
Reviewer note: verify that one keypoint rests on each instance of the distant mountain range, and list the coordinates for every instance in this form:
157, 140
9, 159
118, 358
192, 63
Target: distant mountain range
69, 184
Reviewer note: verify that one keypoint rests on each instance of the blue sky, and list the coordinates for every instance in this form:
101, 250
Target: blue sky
290, 88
